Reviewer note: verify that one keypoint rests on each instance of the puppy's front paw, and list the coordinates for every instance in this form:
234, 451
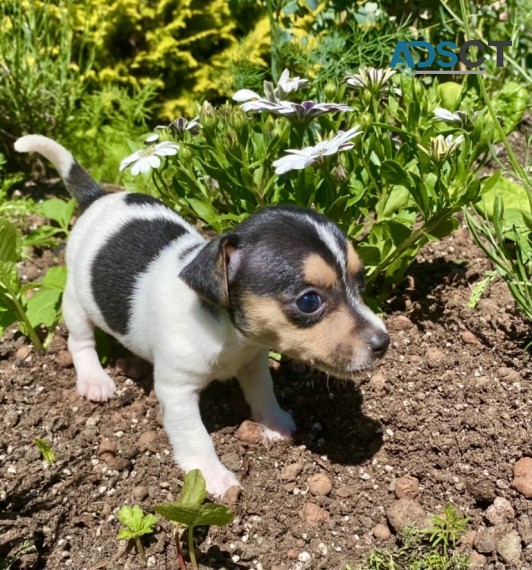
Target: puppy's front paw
278, 425
97, 387
219, 481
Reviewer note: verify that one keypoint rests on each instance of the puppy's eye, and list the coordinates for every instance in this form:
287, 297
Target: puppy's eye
309, 302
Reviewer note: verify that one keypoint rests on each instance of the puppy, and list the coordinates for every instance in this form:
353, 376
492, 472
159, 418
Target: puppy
285, 279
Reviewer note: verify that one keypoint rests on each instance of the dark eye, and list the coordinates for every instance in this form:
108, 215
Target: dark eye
309, 302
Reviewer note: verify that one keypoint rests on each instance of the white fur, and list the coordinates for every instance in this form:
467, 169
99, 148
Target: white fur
54, 152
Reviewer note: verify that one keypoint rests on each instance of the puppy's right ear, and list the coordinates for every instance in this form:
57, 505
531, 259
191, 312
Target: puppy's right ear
210, 272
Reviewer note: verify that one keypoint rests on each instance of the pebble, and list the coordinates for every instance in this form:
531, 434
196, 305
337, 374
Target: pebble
500, 511
523, 477
231, 461
148, 441
140, 492
249, 431
509, 374
487, 538
524, 526
343, 492
291, 472
434, 355
313, 514
483, 490
406, 512
319, 485
399, 323
11, 418
509, 547
378, 381
23, 352
64, 359
381, 532
406, 487
477, 560
469, 338
232, 495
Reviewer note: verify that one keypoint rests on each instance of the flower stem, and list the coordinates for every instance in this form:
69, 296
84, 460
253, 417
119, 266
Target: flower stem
140, 549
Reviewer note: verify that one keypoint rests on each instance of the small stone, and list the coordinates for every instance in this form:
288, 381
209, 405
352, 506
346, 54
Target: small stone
524, 526
319, 485
107, 446
23, 352
483, 490
406, 512
64, 359
148, 441
469, 338
232, 495
11, 418
291, 472
140, 492
477, 560
381, 532
304, 556
231, 461
500, 511
523, 477
509, 547
313, 514
487, 538
509, 374
406, 487
378, 381
344, 492
249, 431
434, 354
399, 323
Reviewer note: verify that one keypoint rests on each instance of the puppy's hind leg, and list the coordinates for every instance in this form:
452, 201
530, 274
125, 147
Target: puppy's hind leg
92, 381
256, 382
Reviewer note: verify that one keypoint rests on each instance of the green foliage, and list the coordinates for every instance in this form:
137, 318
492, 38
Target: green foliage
136, 524
430, 548
190, 510
47, 452
400, 187
31, 312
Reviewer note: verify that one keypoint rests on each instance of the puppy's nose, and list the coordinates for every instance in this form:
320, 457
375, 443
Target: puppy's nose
379, 343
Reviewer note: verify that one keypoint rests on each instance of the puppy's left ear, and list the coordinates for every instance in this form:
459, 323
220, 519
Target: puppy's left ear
211, 271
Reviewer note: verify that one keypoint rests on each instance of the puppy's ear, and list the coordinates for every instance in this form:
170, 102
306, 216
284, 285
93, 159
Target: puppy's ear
210, 272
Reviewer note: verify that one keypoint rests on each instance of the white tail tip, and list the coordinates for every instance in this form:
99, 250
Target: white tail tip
53, 151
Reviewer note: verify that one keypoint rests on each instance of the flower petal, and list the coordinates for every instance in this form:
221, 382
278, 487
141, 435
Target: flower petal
245, 95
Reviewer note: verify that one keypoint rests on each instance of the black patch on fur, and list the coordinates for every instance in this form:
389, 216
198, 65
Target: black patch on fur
82, 186
190, 249
120, 262
134, 199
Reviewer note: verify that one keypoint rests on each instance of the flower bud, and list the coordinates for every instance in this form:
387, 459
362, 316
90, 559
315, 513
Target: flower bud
365, 120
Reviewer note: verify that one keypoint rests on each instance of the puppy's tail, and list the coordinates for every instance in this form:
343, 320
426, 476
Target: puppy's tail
80, 184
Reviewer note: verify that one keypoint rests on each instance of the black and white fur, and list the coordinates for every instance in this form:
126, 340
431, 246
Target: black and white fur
203, 310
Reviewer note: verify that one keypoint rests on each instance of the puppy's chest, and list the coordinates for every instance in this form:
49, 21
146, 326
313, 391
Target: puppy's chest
234, 355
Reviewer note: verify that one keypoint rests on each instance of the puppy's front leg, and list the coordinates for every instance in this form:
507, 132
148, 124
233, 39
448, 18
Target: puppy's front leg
256, 382
192, 445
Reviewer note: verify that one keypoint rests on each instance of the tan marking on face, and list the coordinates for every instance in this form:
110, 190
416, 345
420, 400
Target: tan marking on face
354, 265
318, 272
333, 342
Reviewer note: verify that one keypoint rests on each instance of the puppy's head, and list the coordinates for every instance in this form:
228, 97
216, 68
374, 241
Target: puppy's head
292, 281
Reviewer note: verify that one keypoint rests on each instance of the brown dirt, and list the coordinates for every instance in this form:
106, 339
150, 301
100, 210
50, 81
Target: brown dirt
450, 405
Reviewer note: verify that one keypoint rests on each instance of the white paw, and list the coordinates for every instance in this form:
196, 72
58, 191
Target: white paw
97, 388
278, 425
219, 481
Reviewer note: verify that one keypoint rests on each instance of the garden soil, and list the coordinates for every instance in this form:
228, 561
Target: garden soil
442, 420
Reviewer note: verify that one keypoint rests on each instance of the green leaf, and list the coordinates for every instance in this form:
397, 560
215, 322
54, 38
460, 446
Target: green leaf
44, 307
511, 103
337, 209
444, 228
393, 173
397, 200
135, 521
177, 513
193, 491
214, 514
9, 244
58, 210
46, 450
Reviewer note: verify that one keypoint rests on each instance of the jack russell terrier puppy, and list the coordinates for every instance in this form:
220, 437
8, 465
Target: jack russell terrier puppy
286, 279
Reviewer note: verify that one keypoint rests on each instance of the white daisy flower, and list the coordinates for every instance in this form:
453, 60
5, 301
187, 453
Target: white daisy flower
285, 85
299, 159
460, 118
442, 147
375, 80
147, 158
182, 125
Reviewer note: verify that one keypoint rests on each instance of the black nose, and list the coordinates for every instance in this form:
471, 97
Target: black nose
379, 343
